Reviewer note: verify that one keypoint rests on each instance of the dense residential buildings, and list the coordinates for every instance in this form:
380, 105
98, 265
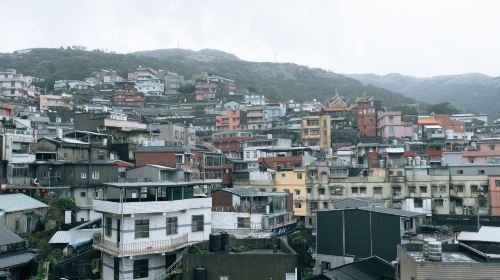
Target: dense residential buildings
153, 171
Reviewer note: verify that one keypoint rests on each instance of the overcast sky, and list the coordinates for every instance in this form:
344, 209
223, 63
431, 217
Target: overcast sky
422, 38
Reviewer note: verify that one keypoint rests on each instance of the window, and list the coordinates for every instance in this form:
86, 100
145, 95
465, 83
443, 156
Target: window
472, 159
442, 189
458, 203
108, 228
423, 189
321, 191
308, 190
312, 123
95, 175
460, 172
354, 190
197, 223
314, 205
492, 147
171, 225
480, 171
243, 222
337, 190
83, 194
411, 189
460, 188
83, 175
396, 191
141, 229
325, 205
312, 173
473, 188
141, 269
418, 203
297, 192
377, 190
299, 176
283, 175
362, 190
438, 202
297, 205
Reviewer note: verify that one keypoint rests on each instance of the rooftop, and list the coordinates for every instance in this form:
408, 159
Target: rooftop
372, 268
161, 184
18, 202
485, 234
249, 191
7, 236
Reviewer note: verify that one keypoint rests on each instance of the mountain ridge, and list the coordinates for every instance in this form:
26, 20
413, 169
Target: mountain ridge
281, 81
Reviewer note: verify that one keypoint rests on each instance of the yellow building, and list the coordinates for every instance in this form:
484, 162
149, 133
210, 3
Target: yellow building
317, 131
294, 181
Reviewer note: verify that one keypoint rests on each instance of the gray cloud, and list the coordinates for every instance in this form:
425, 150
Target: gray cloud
421, 38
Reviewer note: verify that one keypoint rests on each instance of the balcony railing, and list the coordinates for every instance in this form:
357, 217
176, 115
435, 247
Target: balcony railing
141, 248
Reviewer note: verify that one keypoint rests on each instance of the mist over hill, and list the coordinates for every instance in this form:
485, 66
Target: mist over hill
278, 81
472, 92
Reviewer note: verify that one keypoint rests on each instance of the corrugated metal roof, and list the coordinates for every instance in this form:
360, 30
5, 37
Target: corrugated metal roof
175, 149
391, 211
18, 202
485, 234
7, 236
249, 191
395, 150
73, 237
15, 258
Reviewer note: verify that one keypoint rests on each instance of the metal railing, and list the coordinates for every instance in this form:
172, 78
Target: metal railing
165, 274
139, 248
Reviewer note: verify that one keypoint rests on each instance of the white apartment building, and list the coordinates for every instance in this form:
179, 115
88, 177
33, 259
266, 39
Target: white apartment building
252, 149
11, 84
150, 86
146, 225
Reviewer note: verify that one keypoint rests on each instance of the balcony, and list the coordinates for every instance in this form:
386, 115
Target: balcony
145, 207
140, 248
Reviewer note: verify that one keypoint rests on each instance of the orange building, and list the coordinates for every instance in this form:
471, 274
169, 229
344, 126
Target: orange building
232, 120
447, 123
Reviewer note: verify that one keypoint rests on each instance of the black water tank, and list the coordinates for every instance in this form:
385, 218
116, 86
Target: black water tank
214, 242
200, 273
224, 241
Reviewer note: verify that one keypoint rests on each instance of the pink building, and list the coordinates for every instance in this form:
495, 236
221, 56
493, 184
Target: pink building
391, 126
482, 152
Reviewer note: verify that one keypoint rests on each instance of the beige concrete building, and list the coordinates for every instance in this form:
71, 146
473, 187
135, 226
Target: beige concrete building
55, 102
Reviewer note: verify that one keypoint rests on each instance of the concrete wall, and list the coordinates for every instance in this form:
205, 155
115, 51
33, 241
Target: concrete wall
23, 218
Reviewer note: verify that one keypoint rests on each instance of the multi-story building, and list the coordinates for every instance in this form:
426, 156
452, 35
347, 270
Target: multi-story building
317, 131
175, 134
150, 86
11, 84
178, 157
255, 118
142, 72
173, 81
255, 100
229, 142
127, 95
274, 111
234, 119
56, 102
205, 91
294, 182
106, 122
367, 110
247, 212
252, 148
147, 225
16, 157
390, 125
